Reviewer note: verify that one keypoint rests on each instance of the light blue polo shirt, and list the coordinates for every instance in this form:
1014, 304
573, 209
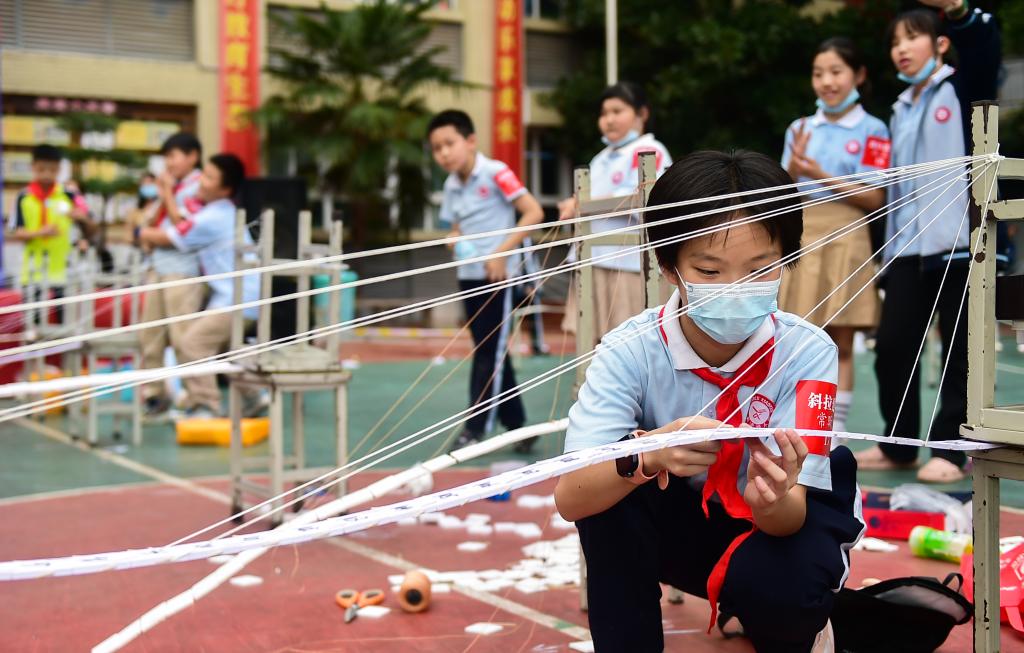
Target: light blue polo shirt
615, 172
210, 235
929, 129
858, 142
483, 203
641, 378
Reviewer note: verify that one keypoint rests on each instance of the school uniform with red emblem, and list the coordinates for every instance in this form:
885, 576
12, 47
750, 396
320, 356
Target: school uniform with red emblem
614, 172
483, 203
855, 143
646, 375
928, 257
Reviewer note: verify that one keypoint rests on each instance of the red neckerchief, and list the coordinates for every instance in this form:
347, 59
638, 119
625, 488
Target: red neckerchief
37, 191
162, 214
722, 475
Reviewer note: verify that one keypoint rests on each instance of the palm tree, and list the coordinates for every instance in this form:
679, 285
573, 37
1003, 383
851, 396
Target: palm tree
352, 104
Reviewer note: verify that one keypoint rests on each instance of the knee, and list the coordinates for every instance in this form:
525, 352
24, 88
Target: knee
764, 601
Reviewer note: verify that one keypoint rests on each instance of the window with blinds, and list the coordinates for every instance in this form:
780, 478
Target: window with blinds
149, 29
549, 58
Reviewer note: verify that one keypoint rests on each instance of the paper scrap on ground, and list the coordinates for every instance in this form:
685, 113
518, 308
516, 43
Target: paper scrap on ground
483, 628
246, 581
471, 547
219, 560
583, 647
875, 544
373, 611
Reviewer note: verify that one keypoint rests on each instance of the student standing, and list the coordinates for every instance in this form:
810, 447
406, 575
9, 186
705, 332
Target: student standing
43, 219
929, 124
760, 527
482, 195
177, 188
210, 235
840, 139
614, 172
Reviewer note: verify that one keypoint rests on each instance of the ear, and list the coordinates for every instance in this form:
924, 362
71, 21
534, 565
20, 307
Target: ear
644, 115
860, 76
671, 276
942, 45
471, 139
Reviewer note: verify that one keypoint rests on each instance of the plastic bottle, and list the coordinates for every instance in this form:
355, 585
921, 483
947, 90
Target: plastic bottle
928, 542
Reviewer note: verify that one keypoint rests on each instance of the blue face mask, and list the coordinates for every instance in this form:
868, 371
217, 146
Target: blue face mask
923, 74
148, 191
850, 100
734, 312
630, 136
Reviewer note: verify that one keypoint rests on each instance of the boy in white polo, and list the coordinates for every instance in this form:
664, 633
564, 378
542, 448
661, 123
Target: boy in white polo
483, 195
761, 528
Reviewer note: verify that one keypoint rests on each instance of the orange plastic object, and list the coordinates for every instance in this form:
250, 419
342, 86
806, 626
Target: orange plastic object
217, 431
370, 597
49, 374
414, 594
346, 598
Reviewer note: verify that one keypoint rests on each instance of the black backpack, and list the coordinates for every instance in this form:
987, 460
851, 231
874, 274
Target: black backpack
900, 615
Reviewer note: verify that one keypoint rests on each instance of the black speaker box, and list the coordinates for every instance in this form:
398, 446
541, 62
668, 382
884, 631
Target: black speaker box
286, 196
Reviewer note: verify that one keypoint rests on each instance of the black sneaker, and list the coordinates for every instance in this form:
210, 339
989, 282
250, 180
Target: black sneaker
156, 408
465, 439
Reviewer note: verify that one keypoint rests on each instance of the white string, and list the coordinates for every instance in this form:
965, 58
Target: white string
376, 279
288, 340
890, 172
443, 500
963, 300
540, 379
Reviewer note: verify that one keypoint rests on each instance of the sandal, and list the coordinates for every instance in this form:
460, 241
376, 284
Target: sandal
874, 459
940, 470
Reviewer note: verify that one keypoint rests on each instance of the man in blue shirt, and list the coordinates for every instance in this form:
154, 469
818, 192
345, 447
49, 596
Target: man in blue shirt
210, 236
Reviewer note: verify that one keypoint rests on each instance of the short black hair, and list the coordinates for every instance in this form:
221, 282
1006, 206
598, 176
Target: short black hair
47, 153
916, 21
460, 120
232, 171
184, 141
851, 55
711, 174
629, 92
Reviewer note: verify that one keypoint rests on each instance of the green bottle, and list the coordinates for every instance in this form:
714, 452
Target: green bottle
928, 542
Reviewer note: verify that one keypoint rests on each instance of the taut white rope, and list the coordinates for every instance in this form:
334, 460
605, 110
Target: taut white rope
855, 178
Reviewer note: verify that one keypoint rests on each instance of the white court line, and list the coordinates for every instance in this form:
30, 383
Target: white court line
1012, 369
127, 463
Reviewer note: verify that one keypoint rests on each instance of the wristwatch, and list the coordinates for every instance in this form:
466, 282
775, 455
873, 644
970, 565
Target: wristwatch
631, 467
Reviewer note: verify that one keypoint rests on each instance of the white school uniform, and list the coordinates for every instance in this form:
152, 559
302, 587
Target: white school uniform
641, 378
614, 172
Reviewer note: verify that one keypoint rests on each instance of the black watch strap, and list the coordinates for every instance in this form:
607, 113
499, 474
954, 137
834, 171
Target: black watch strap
627, 465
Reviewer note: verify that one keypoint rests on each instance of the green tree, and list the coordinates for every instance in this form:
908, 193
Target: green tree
724, 74
352, 98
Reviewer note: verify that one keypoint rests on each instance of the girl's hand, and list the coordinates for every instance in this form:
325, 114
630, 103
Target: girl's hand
496, 269
771, 477
807, 167
801, 137
567, 209
684, 460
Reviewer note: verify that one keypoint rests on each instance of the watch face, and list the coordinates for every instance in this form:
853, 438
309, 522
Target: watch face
626, 466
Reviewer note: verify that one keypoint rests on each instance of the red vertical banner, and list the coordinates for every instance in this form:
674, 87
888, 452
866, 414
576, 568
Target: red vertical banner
508, 85
240, 80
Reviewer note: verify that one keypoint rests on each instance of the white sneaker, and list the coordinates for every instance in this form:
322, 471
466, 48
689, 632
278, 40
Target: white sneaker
825, 642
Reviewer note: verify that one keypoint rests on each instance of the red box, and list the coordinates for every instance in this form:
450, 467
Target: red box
897, 524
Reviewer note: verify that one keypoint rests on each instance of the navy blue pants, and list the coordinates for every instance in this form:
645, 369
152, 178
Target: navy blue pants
780, 588
492, 371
